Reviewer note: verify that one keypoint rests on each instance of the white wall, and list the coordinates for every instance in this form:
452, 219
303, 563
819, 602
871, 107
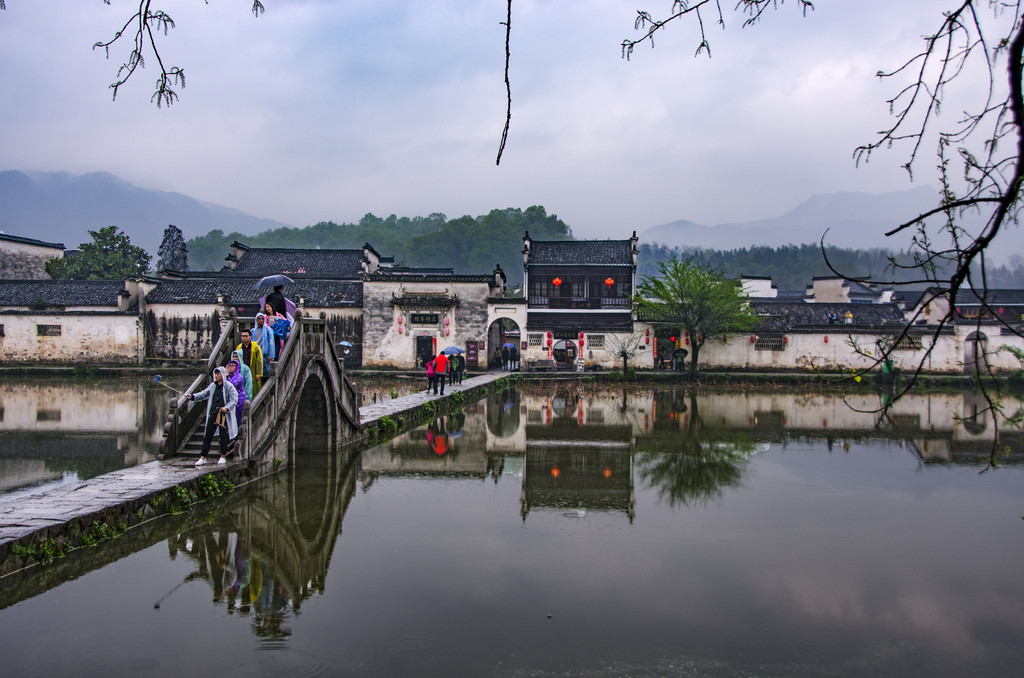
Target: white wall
84, 339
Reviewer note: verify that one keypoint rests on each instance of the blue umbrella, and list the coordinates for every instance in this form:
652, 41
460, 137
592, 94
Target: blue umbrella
508, 344
452, 349
273, 281
345, 343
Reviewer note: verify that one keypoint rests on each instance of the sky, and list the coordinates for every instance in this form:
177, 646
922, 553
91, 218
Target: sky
327, 110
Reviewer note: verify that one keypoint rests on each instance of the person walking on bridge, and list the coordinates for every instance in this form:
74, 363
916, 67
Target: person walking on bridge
252, 356
441, 371
222, 398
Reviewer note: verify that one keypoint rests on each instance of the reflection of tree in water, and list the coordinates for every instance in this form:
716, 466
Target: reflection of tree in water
702, 463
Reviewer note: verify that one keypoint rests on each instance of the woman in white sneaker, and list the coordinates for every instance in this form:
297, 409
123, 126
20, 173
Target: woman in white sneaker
222, 398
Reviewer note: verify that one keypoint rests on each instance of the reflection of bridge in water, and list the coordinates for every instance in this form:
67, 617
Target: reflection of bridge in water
266, 557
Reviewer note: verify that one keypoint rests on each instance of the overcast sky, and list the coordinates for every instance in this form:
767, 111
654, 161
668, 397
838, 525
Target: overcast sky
326, 110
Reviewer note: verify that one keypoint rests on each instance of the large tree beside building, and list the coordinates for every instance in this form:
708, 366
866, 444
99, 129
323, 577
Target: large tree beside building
110, 256
696, 298
173, 252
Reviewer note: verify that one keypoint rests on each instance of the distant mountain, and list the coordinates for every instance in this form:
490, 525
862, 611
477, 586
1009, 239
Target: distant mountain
854, 220
62, 207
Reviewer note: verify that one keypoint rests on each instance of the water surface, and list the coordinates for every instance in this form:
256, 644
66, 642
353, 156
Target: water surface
576, 532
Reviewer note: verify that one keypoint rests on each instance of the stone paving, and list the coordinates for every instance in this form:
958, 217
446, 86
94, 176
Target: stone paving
369, 414
23, 516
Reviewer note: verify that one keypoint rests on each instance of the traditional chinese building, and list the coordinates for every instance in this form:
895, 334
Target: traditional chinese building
579, 299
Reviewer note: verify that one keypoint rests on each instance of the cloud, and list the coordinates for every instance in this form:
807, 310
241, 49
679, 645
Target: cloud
325, 110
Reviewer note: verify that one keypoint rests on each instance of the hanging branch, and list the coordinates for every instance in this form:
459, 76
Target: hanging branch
508, 87
146, 23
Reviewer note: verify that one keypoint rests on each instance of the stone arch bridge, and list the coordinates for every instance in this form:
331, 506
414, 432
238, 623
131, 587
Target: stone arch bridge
306, 404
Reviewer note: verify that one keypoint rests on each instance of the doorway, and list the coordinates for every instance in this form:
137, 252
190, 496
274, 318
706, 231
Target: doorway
564, 352
424, 350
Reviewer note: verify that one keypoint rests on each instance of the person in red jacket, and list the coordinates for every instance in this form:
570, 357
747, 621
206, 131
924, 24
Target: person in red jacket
440, 371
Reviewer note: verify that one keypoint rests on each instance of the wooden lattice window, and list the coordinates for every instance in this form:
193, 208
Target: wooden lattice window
771, 341
535, 339
595, 340
48, 330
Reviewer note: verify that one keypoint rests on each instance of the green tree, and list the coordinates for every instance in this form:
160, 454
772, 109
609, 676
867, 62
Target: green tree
173, 252
695, 297
110, 256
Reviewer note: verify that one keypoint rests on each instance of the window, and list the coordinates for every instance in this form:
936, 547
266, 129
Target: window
535, 339
595, 340
47, 330
1, 330
908, 343
47, 415
770, 342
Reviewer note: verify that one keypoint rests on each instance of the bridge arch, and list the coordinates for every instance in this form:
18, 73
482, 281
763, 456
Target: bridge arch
314, 419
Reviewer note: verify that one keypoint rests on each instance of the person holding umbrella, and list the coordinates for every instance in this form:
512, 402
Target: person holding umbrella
222, 398
276, 299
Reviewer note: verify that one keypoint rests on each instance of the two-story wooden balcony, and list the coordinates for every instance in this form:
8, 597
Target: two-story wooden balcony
588, 303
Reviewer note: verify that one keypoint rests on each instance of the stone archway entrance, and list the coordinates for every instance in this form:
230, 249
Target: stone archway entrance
504, 333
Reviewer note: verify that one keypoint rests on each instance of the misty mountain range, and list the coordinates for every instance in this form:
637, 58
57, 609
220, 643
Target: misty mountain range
62, 207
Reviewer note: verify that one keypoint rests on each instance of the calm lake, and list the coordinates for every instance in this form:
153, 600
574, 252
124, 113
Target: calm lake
568, 530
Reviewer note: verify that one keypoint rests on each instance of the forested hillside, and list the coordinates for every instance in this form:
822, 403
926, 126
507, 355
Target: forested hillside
791, 267
467, 244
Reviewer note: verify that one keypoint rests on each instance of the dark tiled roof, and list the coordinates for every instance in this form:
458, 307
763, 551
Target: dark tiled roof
334, 264
60, 292
783, 315
385, 275
581, 252
994, 297
317, 293
30, 241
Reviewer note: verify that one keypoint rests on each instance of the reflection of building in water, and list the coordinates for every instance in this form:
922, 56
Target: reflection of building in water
578, 455
267, 557
452, 445
75, 430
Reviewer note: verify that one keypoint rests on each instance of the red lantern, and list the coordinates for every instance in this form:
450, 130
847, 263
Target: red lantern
826, 340
554, 472
581, 343
609, 282
447, 320
647, 333
785, 340
647, 340
549, 343
752, 338
549, 335
399, 329
581, 335
556, 282
400, 320
672, 339
447, 331
725, 340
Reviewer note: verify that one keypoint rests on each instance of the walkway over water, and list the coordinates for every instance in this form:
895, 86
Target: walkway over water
307, 379
128, 490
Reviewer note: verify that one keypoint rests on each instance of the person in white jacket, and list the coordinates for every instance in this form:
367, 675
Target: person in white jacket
222, 398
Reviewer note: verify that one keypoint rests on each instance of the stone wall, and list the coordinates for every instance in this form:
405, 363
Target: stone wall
181, 331
21, 261
79, 338
383, 342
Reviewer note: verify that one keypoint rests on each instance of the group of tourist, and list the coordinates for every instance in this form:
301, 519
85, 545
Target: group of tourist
241, 379
445, 368
506, 357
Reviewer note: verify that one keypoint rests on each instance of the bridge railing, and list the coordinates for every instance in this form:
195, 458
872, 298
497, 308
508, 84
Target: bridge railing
184, 414
308, 337
262, 415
